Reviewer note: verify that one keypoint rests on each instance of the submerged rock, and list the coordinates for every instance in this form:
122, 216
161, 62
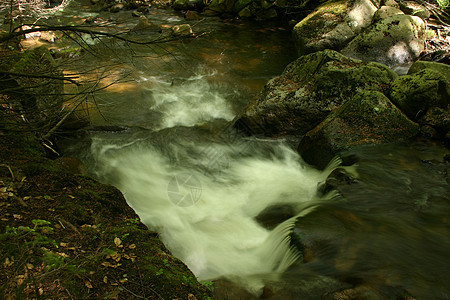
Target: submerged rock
368, 118
414, 94
332, 25
145, 24
309, 89
393, 41
182, 29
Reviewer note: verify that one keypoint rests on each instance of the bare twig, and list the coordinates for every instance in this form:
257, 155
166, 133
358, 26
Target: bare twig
40, 76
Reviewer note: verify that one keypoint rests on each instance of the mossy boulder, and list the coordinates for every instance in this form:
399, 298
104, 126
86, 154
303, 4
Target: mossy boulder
42, 96
394, 41
386, 12
435, 66
308, 90
332, 25
368, 117
414, 94
439, 119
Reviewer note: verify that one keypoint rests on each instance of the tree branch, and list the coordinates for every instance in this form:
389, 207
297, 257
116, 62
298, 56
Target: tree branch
40, 76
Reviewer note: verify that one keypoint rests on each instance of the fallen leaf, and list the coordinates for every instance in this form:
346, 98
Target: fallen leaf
17, 217
132, 246
62, 254
192, 297
123, 280
26, 198
8, 262
118, 242
63, 244
88, 284
30, 266
70, 196
116, 257
105, 279
106, 264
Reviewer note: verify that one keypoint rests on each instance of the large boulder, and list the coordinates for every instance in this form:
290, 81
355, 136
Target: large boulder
414, 94
368, 118
395, 41
332, 25
308, 90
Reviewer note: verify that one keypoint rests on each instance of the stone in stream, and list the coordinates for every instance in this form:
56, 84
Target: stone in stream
308, 90
368, 118
332, 25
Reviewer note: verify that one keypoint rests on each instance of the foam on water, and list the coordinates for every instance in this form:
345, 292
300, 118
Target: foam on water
215, 234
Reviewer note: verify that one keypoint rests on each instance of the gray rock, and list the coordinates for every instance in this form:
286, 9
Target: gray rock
310, 88
394, 41
332, 25
368, 118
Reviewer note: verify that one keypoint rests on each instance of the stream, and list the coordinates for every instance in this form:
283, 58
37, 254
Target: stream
249, 209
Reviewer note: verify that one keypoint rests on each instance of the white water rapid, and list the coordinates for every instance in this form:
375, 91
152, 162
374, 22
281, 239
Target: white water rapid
206, 216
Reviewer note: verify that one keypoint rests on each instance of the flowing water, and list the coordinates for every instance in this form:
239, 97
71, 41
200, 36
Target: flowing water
248, 209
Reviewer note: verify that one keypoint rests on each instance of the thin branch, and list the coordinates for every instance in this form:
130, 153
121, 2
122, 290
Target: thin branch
79, 29
51, 131
40, 76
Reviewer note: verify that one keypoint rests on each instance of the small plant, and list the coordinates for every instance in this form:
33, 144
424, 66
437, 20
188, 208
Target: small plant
443, 3
208, 284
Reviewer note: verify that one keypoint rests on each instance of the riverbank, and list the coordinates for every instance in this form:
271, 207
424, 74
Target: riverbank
69, 236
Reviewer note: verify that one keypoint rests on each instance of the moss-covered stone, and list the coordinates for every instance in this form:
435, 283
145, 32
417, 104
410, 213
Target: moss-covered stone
437, 118
45, 92
438, 67
392, 41
414, 94
309, 89
368, 118
332, 25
